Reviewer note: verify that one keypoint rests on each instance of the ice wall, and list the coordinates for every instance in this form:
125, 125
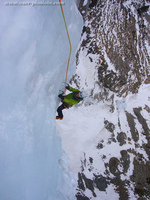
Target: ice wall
33, 54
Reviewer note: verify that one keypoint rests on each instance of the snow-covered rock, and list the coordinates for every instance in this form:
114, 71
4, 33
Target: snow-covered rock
107, 137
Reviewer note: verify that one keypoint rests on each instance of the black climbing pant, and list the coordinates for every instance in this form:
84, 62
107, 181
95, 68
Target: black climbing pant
59, 110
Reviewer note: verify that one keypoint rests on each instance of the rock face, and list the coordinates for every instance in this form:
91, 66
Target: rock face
134, 154
118, 33
115, 42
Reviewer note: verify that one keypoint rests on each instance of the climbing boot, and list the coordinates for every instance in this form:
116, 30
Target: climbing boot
57, 117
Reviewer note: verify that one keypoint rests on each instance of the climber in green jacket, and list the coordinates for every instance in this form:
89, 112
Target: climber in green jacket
69, 100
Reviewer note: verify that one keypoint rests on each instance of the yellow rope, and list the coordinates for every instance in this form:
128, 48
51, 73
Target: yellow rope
69, 44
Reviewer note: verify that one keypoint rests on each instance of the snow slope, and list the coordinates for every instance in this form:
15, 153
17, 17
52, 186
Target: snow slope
88, 142
107, 136
34, 51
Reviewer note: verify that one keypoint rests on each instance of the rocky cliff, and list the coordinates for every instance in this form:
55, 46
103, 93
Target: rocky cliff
115, 45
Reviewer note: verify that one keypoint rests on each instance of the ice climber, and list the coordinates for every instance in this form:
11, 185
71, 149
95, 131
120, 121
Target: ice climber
69, 100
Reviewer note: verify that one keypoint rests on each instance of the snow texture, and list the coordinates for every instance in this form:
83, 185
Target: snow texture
83, 128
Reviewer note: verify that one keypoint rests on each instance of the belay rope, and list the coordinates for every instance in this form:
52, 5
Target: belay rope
69, 44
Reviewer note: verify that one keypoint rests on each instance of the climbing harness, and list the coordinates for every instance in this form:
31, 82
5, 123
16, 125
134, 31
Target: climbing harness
69, 44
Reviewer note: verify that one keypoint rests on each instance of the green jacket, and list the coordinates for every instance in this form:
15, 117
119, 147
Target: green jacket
71, 99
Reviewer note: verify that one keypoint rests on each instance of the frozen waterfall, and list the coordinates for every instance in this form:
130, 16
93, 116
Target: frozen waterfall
33, 52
